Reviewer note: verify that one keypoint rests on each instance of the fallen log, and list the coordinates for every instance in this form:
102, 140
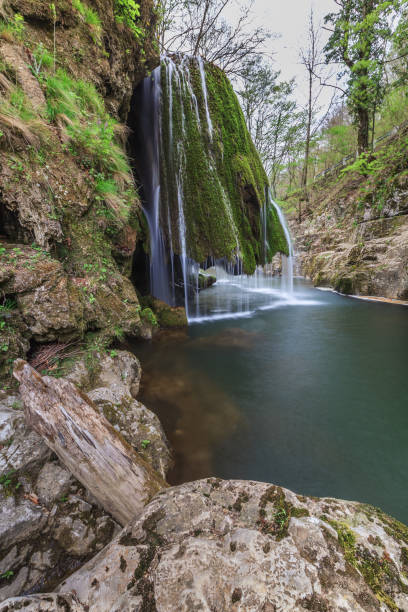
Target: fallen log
87, 444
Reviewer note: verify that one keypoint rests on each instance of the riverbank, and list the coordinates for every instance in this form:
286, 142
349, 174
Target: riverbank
211, 543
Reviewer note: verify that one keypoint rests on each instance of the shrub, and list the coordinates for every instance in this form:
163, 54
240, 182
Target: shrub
13, 29
127, 12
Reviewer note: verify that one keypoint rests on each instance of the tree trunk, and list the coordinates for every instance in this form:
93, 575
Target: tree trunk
363, 130
87, 444
308, 131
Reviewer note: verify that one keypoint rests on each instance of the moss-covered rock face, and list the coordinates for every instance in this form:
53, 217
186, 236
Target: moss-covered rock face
210, 167
69, 210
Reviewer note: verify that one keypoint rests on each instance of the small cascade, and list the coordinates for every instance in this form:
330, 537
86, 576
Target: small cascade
205, 94
287, 261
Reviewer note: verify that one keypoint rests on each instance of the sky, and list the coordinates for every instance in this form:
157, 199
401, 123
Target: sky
289, 18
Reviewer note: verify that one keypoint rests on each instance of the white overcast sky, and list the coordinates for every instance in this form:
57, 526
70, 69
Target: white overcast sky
289, 18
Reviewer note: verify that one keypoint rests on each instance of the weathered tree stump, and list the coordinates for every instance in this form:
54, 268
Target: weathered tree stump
87, 444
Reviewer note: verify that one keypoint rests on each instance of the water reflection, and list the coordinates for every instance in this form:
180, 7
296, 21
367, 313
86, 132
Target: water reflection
308, 393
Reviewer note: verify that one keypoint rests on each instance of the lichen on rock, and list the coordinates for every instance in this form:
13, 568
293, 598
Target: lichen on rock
215, 554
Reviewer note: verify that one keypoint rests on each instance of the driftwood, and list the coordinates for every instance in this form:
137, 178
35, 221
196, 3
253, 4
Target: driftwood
87, 444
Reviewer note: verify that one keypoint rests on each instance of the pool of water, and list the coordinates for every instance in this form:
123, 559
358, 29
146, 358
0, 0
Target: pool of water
308, 392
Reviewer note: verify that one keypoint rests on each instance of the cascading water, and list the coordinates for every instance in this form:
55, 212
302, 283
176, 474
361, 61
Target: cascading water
238, 295
150, 170
205, 93
287, 261
174, 111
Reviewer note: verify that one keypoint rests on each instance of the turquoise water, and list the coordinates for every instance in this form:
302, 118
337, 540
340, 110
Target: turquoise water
309, 393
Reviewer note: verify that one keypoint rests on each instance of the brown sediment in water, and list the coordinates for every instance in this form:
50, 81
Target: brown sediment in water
233, 337
196, 415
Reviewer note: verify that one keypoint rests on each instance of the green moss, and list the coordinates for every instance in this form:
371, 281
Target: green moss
148, 315
222, 180
277, 524
380, 574
392, 526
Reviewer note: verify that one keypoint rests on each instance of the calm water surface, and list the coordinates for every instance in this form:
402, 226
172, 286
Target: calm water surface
309, 393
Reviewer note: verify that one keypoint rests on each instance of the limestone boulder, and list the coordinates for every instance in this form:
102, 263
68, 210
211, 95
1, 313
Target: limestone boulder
21, 449
238, 545
49, 524
138, 425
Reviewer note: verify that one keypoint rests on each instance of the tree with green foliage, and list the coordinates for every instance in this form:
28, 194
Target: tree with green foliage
398, 59
360, 38
128, 12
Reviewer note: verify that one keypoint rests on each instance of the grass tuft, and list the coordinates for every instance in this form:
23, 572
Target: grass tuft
93, 137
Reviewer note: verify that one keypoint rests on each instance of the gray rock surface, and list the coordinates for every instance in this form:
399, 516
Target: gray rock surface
50, 524
20, 448
138, 425
113, 389
53, 482
119, 371
236, 545
42, 603
47, 525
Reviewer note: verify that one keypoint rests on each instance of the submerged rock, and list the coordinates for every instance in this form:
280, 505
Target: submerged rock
169, 317
206, 280
240, 545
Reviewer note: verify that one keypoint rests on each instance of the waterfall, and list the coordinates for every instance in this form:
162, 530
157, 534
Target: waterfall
183, 246
199, 186
287, 261
150, 169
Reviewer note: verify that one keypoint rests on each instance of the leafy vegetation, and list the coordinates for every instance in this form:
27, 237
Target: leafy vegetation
360, 31
10, 482
90, 17
12, 29
128, 12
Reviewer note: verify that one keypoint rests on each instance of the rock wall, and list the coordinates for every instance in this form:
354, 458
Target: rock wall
354, 230
69, 209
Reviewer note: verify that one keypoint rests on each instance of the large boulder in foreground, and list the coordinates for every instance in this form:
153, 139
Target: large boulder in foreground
238, 545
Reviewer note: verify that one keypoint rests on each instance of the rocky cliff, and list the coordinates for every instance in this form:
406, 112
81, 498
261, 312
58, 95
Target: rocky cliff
354, 230
69, 209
